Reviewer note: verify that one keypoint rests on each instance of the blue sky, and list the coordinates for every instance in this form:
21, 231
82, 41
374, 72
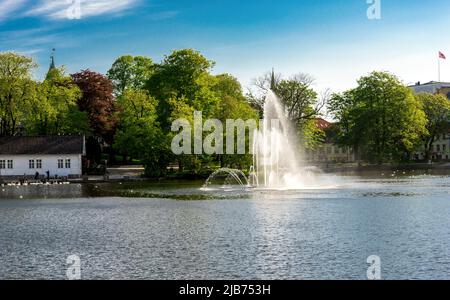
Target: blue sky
333, 40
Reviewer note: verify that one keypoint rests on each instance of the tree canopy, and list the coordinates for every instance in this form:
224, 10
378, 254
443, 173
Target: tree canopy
380, 118
132, 109
17, 91
437, 111
98, 102
181, 84
37, 108
130, 72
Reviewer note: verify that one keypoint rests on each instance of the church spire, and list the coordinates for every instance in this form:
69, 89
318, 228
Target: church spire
50, 73
52, 60
273, 82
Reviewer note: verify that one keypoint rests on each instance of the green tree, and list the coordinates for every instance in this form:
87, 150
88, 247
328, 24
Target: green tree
299, 98
137, 115
55, 110
310, 135
381, 118
181, 110
130, 72
340, 108
233, 105
182, 84
139, 134
184, 74
17, 91
437, 111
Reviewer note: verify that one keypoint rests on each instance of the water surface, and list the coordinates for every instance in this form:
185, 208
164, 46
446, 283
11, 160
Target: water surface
183, 232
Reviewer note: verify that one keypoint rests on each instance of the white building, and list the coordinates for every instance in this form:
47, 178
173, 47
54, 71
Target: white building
440, 149
432, 87
44, 155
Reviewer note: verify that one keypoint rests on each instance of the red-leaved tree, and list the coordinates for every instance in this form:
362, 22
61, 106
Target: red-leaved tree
99, 103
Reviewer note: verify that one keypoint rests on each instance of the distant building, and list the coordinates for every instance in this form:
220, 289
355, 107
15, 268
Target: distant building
432, 87
441, 147
25, 156
440, 150
329, 152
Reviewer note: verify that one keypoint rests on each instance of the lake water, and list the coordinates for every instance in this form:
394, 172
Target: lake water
179, 231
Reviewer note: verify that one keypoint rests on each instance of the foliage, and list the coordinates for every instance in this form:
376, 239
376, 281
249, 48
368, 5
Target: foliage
437, 111
133, 107
184, 75
54, 110
298, 97
98, 102
380, 118
138, 129
37, 108
129, 72
17, 91
310, 135
233, 106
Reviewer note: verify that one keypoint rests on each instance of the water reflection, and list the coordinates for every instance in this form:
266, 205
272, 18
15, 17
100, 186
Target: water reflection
43, 191
233, 234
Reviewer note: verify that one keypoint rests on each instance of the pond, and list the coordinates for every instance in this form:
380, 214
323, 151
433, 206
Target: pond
177, 230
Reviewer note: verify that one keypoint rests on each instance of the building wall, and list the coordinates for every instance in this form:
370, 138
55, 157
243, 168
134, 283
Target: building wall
432, 88
331, 153
21, 165
440, 150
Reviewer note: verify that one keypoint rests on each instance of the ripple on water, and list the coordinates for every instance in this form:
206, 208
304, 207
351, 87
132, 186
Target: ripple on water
292, 234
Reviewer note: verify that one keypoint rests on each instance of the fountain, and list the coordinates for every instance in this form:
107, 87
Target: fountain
276, 158
277, 161
226, 177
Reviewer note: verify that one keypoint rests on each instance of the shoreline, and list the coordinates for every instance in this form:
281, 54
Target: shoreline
355, 168
348, 168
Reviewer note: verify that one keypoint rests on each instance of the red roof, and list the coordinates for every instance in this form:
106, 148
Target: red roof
322, 124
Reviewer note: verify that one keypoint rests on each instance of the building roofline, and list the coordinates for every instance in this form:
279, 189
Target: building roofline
430, 83
42, 145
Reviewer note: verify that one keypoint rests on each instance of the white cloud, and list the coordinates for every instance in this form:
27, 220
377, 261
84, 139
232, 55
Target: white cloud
8, 7
30, 52
59, 9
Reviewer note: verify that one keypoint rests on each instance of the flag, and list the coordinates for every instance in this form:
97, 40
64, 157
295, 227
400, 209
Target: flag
441, 55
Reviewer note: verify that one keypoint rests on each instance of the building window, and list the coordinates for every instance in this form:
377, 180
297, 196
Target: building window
10, 164
38, 163
438, 148
2, 164
31, 164
60, 163
67, 163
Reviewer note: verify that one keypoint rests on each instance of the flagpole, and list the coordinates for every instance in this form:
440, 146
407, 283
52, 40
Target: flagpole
439, 69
